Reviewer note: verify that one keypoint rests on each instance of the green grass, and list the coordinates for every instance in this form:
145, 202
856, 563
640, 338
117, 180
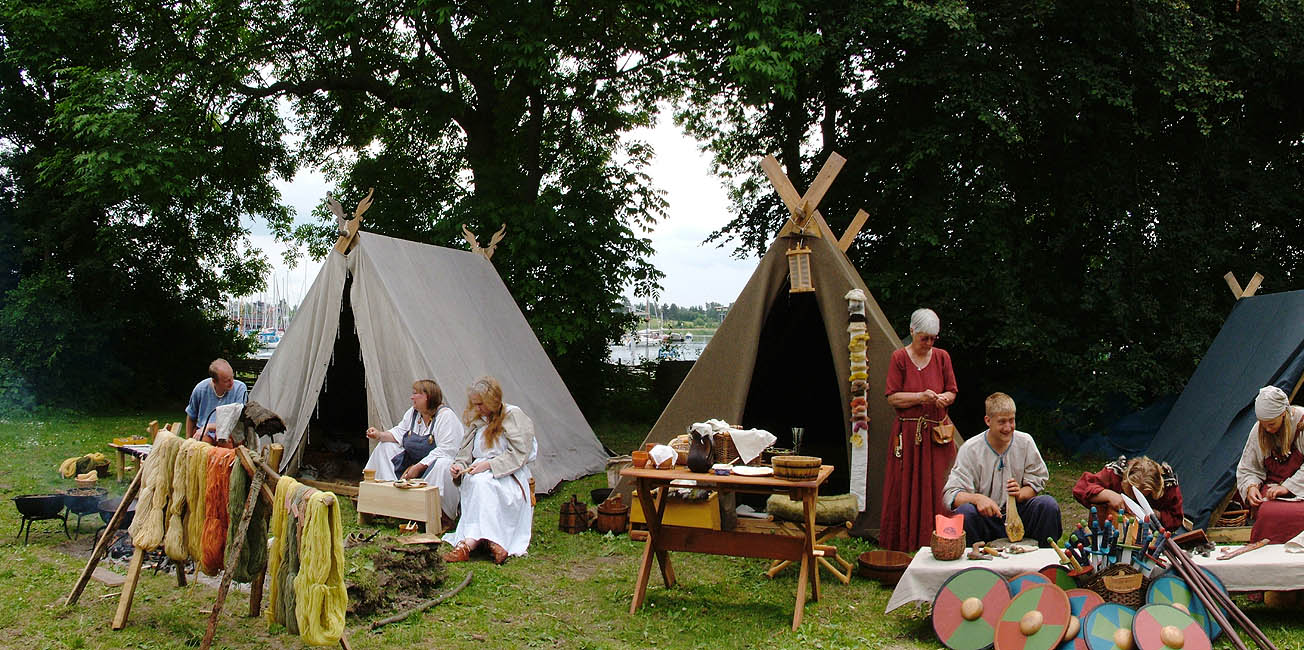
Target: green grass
572, 591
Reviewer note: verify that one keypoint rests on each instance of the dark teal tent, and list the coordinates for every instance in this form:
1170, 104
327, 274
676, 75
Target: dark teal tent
1262, 343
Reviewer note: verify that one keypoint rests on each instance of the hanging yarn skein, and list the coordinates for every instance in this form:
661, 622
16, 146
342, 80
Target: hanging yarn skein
215, 520
276, 554
195, 506
319, 589
174, 539
253, 554
156, 476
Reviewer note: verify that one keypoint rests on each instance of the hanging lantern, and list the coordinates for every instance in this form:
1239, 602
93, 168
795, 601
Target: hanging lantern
799, 275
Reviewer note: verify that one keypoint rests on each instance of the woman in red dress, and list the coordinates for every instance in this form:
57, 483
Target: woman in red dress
920, 386
1270, 468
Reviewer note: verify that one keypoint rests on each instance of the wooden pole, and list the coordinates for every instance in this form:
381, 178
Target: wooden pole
1195, 580
103, 545
233, 551
128, 590
256, 588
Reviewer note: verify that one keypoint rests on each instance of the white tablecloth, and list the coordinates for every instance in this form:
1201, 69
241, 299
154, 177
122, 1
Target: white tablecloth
1268, 568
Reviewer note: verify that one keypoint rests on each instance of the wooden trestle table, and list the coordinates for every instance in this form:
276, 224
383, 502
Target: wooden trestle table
663, 538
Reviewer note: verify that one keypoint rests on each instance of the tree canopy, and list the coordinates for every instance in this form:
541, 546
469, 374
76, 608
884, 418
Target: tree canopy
1064, 185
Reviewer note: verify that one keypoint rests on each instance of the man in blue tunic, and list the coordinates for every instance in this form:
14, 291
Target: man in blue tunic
220, 388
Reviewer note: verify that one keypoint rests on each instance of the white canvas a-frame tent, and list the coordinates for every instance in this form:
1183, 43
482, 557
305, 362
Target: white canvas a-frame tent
419, 312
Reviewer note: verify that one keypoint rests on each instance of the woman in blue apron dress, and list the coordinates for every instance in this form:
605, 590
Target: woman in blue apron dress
422, 445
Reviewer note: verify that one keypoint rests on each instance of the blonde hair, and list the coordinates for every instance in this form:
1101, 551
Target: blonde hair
999, 404
490, 393
1145, 475
1272, 444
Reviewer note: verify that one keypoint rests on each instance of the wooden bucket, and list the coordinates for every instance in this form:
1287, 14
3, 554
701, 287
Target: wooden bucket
613, 516
574, 516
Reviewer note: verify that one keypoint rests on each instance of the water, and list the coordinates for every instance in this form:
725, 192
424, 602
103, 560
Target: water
631, 353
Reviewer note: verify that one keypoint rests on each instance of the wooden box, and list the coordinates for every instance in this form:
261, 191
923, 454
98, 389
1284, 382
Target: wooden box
413, 504
694, 514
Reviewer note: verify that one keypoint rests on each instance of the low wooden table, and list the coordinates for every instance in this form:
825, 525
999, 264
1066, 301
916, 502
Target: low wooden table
663, 538
412, 504
135, 451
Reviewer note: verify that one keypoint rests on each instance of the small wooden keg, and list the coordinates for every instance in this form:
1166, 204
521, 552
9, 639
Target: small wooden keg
574, 516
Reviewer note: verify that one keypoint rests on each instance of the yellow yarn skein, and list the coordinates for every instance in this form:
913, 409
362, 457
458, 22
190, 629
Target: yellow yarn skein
276, 554
174, 540
147, 525
320, 595
195, 483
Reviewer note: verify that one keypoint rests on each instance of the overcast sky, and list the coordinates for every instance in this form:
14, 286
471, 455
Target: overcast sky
695, 273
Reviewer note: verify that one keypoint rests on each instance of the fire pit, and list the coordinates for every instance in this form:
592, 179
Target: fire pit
39, 507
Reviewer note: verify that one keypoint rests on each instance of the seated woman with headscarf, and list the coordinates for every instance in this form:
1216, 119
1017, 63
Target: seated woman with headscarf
1270, 467
495, 476
422, 445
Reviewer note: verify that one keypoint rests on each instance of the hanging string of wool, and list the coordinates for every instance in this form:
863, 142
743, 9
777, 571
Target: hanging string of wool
319, 589
276, 554
174, 540
253, 554
156, 476
215, 520
296, 502
196, 512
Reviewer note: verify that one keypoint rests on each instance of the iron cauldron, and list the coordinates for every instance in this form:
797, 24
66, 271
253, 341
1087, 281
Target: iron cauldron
84, 501
110, 506
39, 506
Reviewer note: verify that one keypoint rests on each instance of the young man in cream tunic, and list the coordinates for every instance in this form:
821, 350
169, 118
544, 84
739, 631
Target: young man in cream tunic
1002, 461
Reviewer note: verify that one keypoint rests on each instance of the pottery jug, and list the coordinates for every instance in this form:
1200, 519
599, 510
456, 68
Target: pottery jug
700, 457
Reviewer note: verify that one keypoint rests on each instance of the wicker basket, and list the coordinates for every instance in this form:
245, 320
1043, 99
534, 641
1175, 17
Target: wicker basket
796, 468
1122, 584
947, 548
1231, 518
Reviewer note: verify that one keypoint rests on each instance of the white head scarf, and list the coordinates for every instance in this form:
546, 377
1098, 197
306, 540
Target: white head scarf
1270, 403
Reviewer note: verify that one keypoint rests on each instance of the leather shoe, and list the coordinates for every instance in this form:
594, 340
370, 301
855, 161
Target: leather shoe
498, 552
460, 553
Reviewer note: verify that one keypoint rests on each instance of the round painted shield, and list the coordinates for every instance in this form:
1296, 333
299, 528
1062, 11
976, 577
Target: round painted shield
1020, 583
1081, 602
1103, 625
1164, 627
967, 608
1172, 590
1035, 620
1211, 626
1058, 574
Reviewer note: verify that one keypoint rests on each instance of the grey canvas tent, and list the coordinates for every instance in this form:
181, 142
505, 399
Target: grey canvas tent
780, 360
1262, 343
393, 311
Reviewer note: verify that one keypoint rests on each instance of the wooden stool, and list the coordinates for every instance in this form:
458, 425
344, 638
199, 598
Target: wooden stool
823, 552
414, 504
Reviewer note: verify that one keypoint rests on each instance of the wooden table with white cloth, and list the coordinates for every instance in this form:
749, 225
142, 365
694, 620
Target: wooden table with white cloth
1267, 568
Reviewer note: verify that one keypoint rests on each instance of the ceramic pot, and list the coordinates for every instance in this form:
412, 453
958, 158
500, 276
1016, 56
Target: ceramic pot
700, 458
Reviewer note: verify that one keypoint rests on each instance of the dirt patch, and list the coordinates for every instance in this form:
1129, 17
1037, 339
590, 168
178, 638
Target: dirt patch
385, 577
582, 571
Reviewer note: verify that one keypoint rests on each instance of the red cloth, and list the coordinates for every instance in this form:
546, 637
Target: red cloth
1169, 507
912, 483
1279, 521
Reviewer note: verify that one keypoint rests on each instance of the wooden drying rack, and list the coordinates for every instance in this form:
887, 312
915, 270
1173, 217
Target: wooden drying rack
262, 473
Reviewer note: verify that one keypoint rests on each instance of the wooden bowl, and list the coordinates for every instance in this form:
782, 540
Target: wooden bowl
639, 458
884, 566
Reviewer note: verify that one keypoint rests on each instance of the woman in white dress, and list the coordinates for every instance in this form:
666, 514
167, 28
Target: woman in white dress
422, 445
493, 467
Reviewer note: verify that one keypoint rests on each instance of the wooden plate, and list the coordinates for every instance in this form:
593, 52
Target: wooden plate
1103, 621
1148, 629
1047, 601
949, 623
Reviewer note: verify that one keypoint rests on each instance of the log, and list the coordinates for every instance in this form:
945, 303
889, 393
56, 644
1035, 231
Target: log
233, 552
426, 605
103, 545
